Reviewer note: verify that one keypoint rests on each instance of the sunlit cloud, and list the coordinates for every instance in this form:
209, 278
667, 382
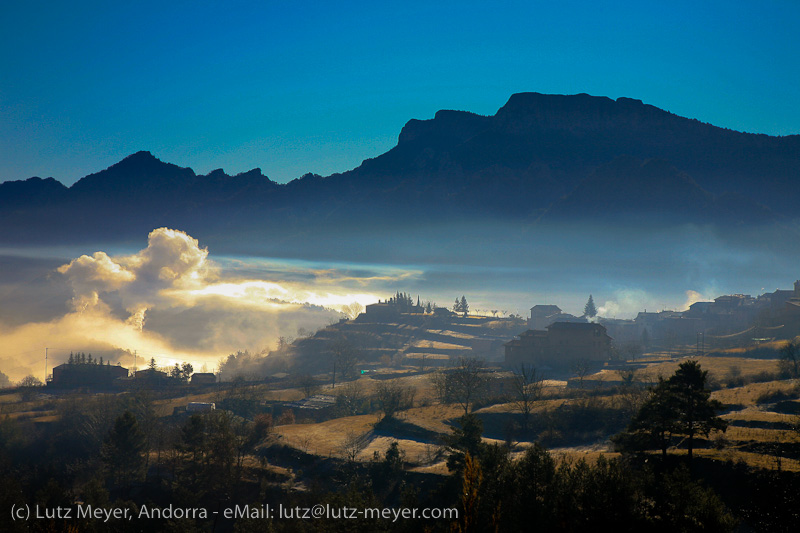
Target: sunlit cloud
170, 301
627, 303
692, 297
267, 294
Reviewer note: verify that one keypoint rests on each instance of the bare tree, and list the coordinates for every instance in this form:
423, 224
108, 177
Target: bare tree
632, 394
353, 310
441, 386
467, 382
581, 368
350, 399
304, 441
309, 385
345, 357
630, 351
352, 445
393, 397
527, 384
30, 381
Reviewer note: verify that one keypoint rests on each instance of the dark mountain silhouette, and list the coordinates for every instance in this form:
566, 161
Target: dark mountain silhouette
542, 146
629, 189
15, 195
146, 183
545, 158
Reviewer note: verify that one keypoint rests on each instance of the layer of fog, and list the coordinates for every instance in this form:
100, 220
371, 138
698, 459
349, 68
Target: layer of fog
175, 300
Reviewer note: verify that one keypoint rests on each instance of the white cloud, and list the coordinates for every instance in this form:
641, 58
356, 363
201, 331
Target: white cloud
693, 297
167, 301
627, 303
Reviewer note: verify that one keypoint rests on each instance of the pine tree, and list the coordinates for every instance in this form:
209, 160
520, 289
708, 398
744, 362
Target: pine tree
123, 449
464, 306
680, 404
589, 310
457, 306
654, 424
696, 413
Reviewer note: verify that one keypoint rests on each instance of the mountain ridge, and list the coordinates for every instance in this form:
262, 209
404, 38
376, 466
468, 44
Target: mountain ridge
533, 160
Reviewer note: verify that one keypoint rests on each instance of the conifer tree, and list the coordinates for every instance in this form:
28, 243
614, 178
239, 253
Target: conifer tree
123, 449
680, 404
589, 310
696, 412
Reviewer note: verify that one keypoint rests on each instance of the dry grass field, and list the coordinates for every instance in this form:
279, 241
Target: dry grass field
748, 394
755, 435
751, 423
325, 438
719, 368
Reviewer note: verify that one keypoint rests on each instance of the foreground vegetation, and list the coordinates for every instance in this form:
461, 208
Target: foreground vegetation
507, 450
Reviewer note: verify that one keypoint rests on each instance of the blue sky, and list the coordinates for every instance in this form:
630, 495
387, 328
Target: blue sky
296, 87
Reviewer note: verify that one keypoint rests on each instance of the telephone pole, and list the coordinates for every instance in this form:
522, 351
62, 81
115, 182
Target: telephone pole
701, 343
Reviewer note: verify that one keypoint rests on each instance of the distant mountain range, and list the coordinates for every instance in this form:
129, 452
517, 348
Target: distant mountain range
541, 160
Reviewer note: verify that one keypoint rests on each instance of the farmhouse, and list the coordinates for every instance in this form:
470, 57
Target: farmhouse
560, 345
86, 375
380, 312
203, 378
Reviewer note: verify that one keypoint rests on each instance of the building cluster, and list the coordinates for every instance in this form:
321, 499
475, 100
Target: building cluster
725, 315
558, 339
390, 310
115, 377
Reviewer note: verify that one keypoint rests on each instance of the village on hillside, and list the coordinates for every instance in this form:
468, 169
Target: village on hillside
398, 335
402, 386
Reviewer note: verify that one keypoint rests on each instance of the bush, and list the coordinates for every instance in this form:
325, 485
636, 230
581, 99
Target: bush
286, 418
773, 396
